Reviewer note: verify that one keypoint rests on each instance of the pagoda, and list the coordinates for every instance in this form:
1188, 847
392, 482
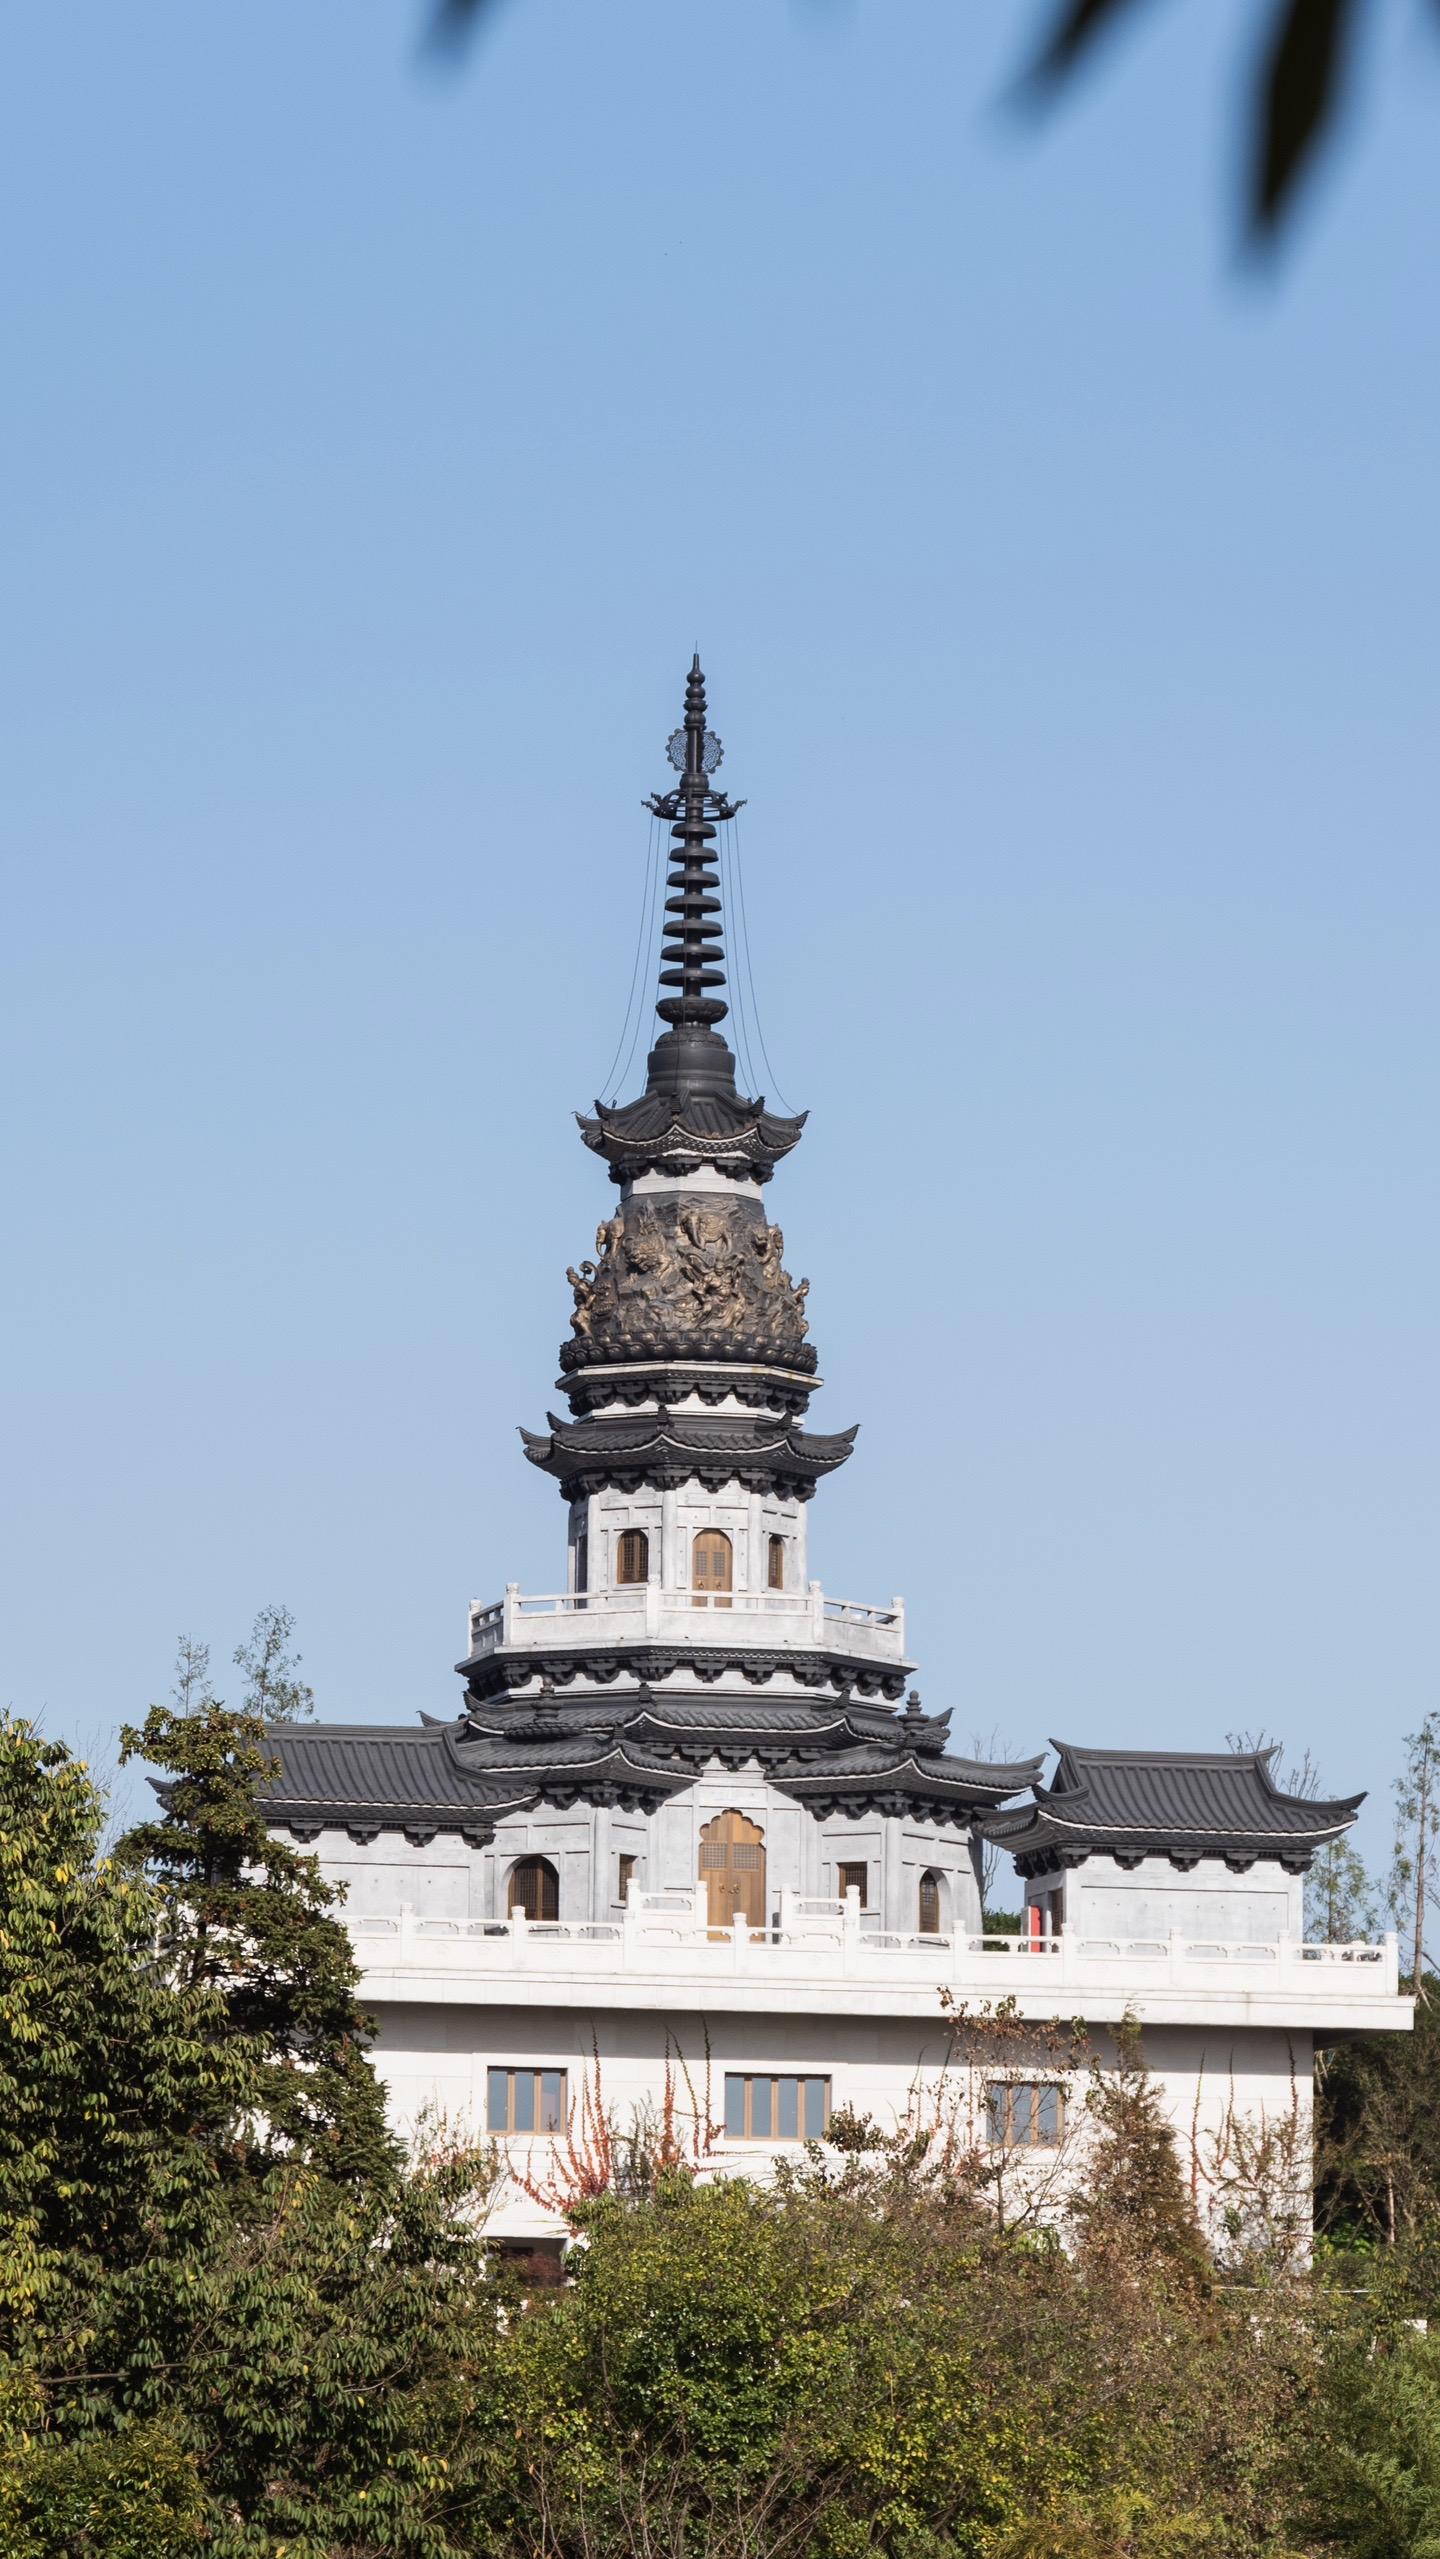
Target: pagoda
689, 1646
689, 1849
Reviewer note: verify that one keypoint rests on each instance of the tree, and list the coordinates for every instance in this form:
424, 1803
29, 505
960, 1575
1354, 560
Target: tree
1132, 2207
252, 1921
192, 1674
1377, 2136
1417, 1841
1297, 93
1341, 1904
119, 2087
275, 1692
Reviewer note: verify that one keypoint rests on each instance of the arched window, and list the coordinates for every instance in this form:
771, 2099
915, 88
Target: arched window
775, 1564
930, 1903
582, 1562
712, 1568
535, 1889
632, 1556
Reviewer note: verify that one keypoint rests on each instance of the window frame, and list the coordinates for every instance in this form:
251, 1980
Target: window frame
772, 2081
626, 1873
512, 1901
641, 1539
846, 1869
535, 2074
931, 1881
1003, 2115
775, 1561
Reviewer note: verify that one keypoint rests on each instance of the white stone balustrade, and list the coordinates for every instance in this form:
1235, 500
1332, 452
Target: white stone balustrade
662, 1953
644, 1612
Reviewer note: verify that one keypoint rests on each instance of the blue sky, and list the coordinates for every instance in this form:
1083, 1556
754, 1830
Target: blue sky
376, 447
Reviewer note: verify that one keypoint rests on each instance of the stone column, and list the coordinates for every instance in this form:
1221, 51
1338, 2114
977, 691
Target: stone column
601, 1879
893, 1912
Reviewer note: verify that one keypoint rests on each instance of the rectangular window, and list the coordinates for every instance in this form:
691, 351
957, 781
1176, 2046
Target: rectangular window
761, 2108
628, 1865
525, 2101
853, 1879
1025, 2114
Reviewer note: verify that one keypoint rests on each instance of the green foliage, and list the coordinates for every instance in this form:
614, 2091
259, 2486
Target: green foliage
132, 2495
337, 2374
274, 1689
732, 2361
1341, 1901
234, 2322
1133, 2207
252, 1921
1415, 1864
1374, 2488
118, 2087
1378, 2134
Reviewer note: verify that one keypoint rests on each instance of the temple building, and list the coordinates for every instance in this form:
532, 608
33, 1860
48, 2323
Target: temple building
691, 1849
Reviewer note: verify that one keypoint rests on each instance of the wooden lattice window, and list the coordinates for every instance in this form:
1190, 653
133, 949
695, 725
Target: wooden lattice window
854, 1877
628, 1864
930, 1903
775, 1564
535, 1889
632, 1556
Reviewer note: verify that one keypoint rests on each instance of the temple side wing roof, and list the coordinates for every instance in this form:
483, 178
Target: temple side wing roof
1169, 1802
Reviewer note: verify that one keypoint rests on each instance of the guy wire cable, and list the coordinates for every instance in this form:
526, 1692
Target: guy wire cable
641, 940
742, 1040
774, 1093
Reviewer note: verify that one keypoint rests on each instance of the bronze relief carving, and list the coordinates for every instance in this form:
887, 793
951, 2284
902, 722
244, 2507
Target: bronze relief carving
692, 1273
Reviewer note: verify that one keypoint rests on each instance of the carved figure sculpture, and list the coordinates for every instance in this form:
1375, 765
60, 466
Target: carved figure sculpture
684, 1271
583, 1283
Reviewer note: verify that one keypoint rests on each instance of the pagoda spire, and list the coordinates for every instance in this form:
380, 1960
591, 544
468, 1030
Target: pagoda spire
692, 957
691, 1114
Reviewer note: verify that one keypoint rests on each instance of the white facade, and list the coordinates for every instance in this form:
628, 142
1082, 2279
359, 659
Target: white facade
652, 2003
677, 1677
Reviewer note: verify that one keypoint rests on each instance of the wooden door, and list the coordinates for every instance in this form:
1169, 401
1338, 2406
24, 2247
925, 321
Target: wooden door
712, 1568
732, 1867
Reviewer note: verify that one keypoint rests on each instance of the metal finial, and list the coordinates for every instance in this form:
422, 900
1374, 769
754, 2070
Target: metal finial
692, 954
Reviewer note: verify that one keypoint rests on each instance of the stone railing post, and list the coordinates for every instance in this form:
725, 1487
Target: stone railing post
850, 1928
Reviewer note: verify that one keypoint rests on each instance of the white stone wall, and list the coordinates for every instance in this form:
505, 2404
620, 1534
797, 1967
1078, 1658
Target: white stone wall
1158, 1899
671, 1521
447, 1880
434, 2061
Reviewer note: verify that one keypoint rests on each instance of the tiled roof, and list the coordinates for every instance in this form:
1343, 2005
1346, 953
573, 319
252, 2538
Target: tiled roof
1205, 1803
463, 1776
